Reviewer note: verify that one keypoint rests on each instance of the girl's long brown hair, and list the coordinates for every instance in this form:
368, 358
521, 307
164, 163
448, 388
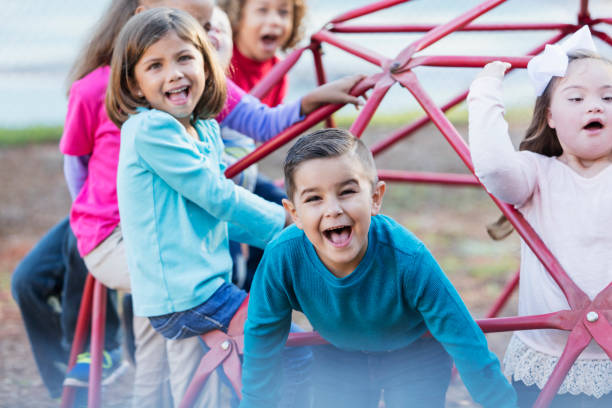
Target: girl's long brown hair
98, 49
138, 34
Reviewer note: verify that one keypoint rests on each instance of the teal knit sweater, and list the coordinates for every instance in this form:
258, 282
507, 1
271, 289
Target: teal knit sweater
392, 298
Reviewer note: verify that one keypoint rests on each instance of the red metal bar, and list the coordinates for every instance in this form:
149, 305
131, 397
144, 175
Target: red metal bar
583, 14
443, 30
80, 337
276, 74
364, 117
97, 345
575, 296
305, 339
321, 77
561, 320
293, 131
409, 80
603, 36
505, 295
600, 331
576, 342
411, 128
420, 28
448, 179
464, 61
357, 50
408, 130
370, 8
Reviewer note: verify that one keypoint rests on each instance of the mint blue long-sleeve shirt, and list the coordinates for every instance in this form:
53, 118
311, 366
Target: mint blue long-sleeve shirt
177, 210
396, 294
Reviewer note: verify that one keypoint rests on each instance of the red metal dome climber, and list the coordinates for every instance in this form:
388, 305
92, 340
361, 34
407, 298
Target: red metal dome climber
585, 320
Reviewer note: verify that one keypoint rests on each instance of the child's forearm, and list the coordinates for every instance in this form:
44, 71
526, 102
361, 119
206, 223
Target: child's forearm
449, 322
259, 121
75, 173
506, 173
166, 149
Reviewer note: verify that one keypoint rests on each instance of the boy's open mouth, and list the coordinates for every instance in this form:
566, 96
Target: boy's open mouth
593, 125
178, 95
338, 236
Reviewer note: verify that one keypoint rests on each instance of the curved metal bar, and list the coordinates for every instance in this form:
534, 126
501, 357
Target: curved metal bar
421, 28
97, 344
370, 8
276, 74
449, 179
442, 31
576, 342
293, 131
357, 50
364, 117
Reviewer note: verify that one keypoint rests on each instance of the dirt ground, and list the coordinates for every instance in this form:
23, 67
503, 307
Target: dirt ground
451, 221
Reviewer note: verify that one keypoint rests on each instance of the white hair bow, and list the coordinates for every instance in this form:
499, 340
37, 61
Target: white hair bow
553, 61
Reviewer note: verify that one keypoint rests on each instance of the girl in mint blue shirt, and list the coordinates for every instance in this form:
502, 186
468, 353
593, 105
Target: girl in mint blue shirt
176, 206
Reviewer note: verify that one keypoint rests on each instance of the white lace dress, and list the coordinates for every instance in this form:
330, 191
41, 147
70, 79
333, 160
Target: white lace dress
573, 216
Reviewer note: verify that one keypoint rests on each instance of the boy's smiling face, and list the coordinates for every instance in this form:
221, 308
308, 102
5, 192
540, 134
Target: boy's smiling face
333, 203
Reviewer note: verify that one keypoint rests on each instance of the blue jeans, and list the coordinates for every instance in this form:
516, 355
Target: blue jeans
216, 313
415, 376
54, 269
527, 395
267, 190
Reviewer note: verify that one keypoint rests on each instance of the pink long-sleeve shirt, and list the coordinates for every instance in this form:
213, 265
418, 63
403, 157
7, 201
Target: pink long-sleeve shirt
572, 214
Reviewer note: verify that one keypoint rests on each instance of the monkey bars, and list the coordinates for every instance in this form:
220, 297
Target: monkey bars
585, 320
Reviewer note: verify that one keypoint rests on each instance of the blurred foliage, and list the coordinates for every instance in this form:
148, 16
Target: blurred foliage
29, 135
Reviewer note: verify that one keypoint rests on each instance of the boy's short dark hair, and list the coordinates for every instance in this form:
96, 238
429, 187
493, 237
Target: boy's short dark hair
322, 144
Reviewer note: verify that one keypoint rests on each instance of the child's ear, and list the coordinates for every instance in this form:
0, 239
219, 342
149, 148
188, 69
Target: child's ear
135, 89
549, 119
290, 208
377, 197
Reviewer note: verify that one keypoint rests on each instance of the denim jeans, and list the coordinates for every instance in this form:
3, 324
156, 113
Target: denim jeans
415, 376
216, 313
54, 269
527, 395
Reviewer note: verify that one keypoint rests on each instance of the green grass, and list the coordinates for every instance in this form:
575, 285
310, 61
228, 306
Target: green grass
457, 116
29, 135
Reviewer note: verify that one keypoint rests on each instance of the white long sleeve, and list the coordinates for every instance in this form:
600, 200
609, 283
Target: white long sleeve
572, 214
507, 174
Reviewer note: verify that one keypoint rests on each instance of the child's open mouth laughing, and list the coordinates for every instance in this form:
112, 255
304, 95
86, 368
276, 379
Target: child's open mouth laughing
178, 96
339, 236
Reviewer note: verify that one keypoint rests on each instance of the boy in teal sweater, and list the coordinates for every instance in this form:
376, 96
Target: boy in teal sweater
368, 286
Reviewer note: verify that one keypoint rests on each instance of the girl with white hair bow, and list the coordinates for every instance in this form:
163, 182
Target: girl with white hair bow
561, 182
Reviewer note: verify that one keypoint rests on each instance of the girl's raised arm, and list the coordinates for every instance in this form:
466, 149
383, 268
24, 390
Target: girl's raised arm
507, 174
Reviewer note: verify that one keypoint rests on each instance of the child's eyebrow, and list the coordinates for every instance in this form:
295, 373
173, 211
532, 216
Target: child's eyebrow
349, 181
580, 87
159, 58
341, 184
307, 191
